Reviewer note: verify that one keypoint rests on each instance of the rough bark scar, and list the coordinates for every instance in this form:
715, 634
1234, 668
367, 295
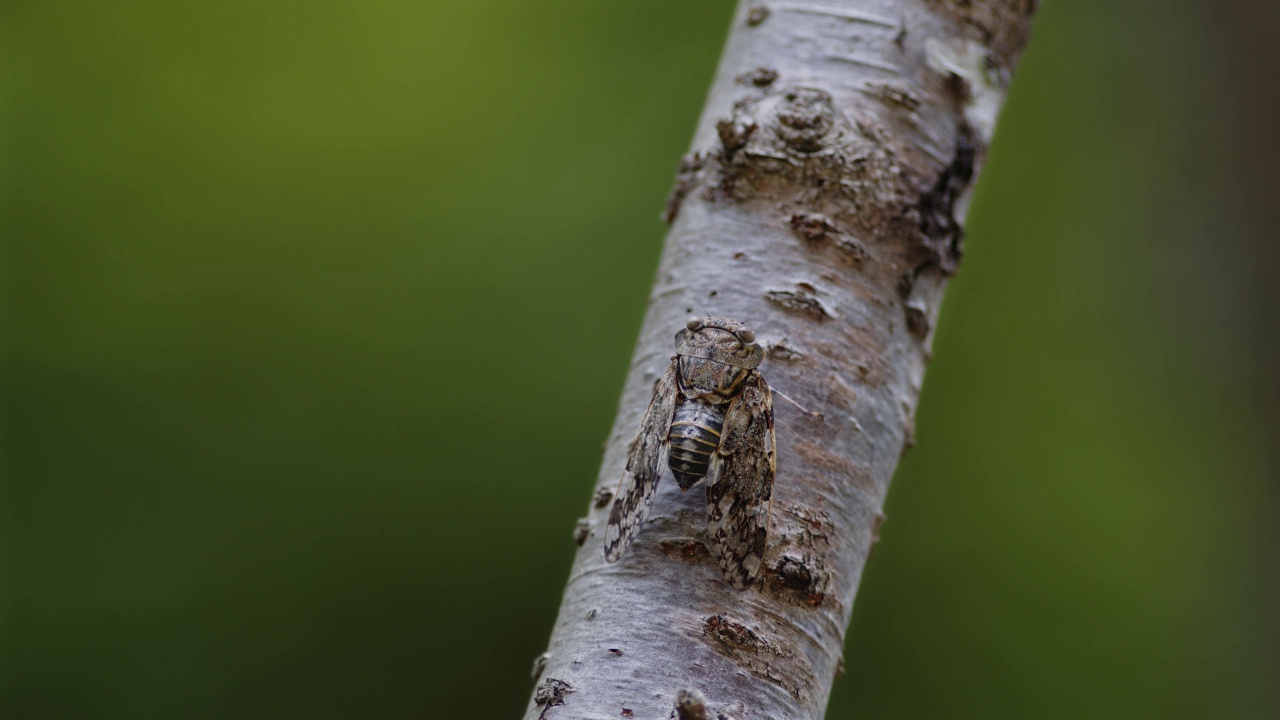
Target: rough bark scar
685, 178
816, 525
759, 77
786, 353
794, 574
895, 95
734, 135
813, 227
917, 320
799, 580
733, 637
551, 693
818, 230
940, 236
582, 531
690, 551
801, 300
757, 14
750, 649
1002, 25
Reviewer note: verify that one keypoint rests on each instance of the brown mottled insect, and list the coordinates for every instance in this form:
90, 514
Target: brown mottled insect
711, 417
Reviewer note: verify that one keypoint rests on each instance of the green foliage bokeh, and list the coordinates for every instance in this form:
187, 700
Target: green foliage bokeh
315, 316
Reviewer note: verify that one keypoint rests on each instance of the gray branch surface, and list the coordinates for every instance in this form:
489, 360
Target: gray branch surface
822, 204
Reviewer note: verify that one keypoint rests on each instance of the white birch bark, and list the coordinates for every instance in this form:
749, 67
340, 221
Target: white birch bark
822, 204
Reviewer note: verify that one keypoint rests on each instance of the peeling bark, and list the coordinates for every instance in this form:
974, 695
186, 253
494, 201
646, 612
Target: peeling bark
822, 204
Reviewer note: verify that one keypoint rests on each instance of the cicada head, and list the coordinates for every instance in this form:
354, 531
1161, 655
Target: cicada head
720, 339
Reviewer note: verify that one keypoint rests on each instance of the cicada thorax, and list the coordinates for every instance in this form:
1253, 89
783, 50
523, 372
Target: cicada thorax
710, 380
708, 387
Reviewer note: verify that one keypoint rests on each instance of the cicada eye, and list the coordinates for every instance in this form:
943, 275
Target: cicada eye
694, 324
746, 335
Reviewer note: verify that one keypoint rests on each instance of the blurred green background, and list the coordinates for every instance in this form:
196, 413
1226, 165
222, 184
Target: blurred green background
315, 315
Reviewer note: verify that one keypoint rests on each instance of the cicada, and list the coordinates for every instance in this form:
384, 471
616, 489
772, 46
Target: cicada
711, 418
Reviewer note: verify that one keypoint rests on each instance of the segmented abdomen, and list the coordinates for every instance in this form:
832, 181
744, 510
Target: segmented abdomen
695, 434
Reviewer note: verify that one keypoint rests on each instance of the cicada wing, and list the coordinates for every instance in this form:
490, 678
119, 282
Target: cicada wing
644, 468
740, 484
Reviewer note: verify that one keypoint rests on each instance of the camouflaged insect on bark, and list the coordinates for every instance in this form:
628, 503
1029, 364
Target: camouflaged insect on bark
711, 418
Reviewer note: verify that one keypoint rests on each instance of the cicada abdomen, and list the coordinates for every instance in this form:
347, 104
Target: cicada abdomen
695, 435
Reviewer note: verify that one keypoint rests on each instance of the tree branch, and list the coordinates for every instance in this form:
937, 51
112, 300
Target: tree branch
822, 205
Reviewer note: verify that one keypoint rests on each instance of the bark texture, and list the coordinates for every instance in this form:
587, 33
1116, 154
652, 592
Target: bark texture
823, 205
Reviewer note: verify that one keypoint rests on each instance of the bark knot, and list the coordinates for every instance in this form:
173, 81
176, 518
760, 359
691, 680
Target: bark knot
792, 142
917, 320
799, 579
794, 574
805, 119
